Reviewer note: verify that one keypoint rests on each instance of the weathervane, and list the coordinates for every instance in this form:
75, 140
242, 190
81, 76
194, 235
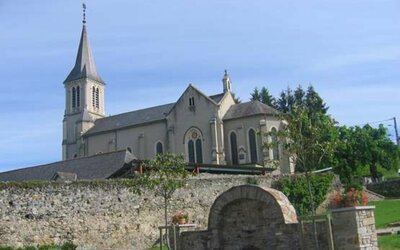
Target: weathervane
84, 13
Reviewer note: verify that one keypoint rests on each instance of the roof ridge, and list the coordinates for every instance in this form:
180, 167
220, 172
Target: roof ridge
137, 110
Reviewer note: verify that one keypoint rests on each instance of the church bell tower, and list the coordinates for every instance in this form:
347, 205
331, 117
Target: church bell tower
84, 98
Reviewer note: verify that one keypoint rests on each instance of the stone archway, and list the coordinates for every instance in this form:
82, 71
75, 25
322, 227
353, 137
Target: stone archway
248, 217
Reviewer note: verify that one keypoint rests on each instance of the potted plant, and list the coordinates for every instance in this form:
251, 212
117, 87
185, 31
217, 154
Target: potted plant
180, 218
349, 198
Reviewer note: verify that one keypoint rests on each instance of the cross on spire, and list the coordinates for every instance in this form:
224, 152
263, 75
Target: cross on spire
84, 13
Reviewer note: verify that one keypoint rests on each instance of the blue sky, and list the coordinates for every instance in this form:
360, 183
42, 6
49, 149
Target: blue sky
149, 51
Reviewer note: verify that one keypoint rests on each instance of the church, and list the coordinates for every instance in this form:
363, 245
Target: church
206, 129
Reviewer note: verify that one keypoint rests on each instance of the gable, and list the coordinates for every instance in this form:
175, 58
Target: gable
192, 107
192, 91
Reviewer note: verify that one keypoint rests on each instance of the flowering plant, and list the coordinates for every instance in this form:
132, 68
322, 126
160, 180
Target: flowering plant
180, 217
350, 198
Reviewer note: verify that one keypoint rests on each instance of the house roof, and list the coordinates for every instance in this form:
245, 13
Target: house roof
217, 98
132, 118
84, 64
249, 109
99, 166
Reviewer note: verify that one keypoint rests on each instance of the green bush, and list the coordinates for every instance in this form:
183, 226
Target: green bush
66, 246
6, 248
297, 190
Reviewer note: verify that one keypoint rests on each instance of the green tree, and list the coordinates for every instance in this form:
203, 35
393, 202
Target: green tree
285, 101
310, 138
310, 141
263, 96
165, 174
255, 95
314, 102
364, 150
299, 96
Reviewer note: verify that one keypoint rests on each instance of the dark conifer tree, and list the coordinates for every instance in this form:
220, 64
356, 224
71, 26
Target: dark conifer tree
314, 102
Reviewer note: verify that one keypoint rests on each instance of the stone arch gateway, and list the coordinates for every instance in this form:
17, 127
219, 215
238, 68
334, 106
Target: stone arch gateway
247, 217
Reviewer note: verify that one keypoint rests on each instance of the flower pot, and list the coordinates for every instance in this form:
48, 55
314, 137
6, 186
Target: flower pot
182, 221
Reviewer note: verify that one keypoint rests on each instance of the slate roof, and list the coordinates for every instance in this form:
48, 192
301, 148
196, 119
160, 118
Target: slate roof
99, 166
249, 109
132, 118
217, 98
84, 64
138, 117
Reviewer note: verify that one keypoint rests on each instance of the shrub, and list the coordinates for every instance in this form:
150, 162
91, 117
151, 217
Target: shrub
48, 247
6, 248
68, 246
297, 190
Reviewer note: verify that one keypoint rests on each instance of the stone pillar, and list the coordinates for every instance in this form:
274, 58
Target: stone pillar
354, 228
221, 152
141, 146
214, 141
264, 140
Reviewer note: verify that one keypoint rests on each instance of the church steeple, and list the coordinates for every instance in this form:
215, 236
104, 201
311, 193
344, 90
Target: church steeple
226, 82
84, 95
85, 66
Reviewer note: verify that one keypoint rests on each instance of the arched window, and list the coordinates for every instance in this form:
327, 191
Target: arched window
73, 97
97, 98
253, 146
234, 150
275, 144
93, 97
78, 96
191, 151
199, 151
129, 149
159, 148
194, 145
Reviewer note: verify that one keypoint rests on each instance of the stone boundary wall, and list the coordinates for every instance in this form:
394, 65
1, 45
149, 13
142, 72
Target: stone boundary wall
103, 216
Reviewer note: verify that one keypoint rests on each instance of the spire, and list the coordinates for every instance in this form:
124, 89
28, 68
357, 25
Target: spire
84, 64
226, 82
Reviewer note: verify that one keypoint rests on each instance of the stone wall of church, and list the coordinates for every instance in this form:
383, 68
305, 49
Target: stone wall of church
102, 214
140, 139
241, 127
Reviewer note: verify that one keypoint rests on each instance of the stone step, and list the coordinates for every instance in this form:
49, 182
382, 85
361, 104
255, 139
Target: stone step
387, 231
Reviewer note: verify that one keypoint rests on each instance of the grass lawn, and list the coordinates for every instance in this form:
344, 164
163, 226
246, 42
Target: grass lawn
386, 211
389, 242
